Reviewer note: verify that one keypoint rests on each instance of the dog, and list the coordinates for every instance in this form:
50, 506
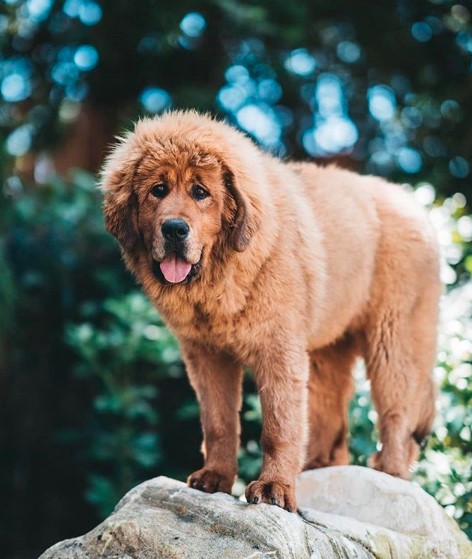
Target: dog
293, 270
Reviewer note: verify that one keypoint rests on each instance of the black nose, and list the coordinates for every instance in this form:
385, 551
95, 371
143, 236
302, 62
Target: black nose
175, 230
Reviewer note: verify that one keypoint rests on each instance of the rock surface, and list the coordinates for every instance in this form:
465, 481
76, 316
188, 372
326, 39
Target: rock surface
345, 512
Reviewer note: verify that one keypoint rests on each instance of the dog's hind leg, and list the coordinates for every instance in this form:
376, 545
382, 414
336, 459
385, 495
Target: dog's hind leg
400, 355
330, 388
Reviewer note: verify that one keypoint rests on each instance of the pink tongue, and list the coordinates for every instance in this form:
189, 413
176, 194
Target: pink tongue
175, 269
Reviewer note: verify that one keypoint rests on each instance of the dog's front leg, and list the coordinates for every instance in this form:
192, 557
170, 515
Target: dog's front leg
216, 379
282, 385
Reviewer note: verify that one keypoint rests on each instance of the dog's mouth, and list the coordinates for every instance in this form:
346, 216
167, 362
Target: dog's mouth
175, 270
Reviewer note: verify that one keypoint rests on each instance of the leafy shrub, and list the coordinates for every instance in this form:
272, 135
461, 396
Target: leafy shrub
57, 257
445, 469
124, 352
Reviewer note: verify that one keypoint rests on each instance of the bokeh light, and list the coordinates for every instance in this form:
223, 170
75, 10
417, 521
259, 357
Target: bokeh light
231, 97
64, 73
261, 122
382, 103
421, 31
38, 10
411, 117
425, 193
451, 110
333, 130
300, 62
409, 160
237, 74
332, 135
72, 7
464, 227
348, 51
155, 99
86, 57
329, 96
90, 13
15, 87
269, 90
193, 24
459, 167
19, 141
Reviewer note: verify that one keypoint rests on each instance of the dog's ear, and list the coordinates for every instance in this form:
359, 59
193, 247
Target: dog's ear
121, 218
120, 201
243, 222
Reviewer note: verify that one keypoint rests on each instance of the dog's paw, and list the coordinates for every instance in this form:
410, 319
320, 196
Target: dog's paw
379, 462
273, 493
210, 481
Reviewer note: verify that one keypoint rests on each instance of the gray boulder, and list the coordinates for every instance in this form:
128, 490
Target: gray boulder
345, 512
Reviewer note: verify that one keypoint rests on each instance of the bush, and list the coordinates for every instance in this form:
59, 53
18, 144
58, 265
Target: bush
123, 348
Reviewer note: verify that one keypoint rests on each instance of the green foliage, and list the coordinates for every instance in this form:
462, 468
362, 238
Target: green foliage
250, 454
362, 419
83, 359
124, 348
446, 468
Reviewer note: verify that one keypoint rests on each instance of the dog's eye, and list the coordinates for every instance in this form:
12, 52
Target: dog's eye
159, 190
199, 193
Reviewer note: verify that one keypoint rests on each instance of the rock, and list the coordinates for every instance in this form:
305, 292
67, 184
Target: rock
345, 512
391, 517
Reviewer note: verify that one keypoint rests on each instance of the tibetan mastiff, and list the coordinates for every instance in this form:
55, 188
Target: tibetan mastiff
289, 269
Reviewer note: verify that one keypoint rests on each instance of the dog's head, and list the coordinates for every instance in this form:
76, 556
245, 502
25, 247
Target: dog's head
174, 196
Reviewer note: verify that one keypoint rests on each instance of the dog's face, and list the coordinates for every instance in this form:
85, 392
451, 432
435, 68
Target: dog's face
181, 213
176, 205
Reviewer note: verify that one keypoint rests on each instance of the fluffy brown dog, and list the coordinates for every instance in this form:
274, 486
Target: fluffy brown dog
290, 269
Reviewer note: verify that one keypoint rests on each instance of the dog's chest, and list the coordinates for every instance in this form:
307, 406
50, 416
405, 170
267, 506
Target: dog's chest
208, 324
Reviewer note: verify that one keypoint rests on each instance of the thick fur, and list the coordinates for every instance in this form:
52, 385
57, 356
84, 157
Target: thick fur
301, 270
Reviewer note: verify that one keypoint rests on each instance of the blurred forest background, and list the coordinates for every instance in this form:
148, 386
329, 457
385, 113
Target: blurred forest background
93, 395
